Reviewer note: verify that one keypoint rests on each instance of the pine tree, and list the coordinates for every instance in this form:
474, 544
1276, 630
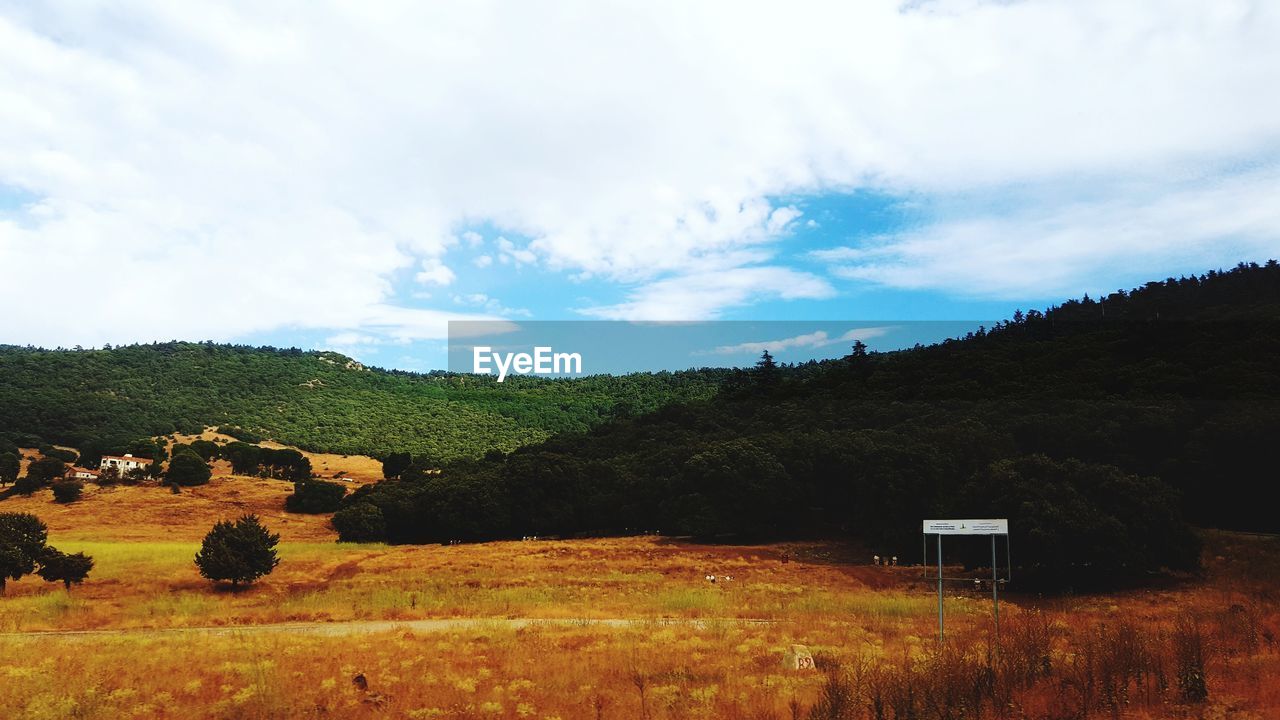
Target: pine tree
238, 552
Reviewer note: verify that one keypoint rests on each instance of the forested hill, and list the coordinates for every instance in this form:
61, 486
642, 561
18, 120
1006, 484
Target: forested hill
1097, 426
318, 401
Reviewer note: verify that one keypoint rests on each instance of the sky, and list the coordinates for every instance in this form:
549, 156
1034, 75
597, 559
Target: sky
353, 176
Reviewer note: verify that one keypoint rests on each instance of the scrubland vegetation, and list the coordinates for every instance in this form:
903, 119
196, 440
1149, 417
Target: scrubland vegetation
598, 628
667, 644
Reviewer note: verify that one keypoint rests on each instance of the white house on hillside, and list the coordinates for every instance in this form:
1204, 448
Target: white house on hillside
123, 463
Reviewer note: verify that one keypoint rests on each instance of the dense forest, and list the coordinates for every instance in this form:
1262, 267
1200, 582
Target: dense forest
322, 401
1100, 427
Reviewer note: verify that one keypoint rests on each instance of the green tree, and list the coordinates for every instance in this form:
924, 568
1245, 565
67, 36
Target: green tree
244, 458
65, 568
66, 456
10, 466
67, 491
109, 475
767, 368
206, 449
360, 522
395, 464
238, 552
1078, 525
46, 470
186, 468
22, 540
735, 487
315, 496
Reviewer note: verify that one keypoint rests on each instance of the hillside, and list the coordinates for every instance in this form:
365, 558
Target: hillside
1097, 425
318, 401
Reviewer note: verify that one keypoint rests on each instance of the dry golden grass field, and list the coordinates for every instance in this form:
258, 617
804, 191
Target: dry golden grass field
598, 628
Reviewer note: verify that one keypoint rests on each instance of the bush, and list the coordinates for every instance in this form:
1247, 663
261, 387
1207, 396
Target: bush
315, 496
65, 568
186, 468
238, 552
67, 491
361, 522
26, 485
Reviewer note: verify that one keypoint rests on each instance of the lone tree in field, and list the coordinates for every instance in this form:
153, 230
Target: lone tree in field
187, 468
238, 552
65, 568
22, 541
10, 465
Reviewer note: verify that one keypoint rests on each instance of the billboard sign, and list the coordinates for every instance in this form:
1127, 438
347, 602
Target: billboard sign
966, 527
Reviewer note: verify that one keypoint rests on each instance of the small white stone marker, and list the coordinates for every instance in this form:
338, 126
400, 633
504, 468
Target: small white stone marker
799, 658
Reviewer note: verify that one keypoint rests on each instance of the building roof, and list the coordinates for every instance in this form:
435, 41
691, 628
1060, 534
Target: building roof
127, 457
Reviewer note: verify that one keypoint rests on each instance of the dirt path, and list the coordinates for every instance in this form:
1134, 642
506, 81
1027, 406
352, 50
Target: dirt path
364, 627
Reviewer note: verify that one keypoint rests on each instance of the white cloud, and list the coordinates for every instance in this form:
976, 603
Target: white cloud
1056, 251
490, 305
482, 261
434, 272
250, 167
702, 295
816, 339
348, 339
508, 253
402, 325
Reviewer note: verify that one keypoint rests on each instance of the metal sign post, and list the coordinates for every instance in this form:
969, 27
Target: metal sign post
941, 631
970, 527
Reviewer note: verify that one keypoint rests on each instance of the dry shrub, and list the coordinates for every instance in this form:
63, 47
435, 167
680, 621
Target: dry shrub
1189, 654
1240, 628
1104, 670
1113, 665
840, 699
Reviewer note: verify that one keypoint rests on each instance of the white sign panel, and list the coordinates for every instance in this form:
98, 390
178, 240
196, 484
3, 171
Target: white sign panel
966, 527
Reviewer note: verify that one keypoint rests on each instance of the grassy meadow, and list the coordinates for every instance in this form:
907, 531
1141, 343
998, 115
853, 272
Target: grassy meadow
598, 628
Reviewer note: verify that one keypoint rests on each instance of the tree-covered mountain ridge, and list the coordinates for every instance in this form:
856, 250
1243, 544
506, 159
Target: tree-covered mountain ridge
1099, 426
316, 400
